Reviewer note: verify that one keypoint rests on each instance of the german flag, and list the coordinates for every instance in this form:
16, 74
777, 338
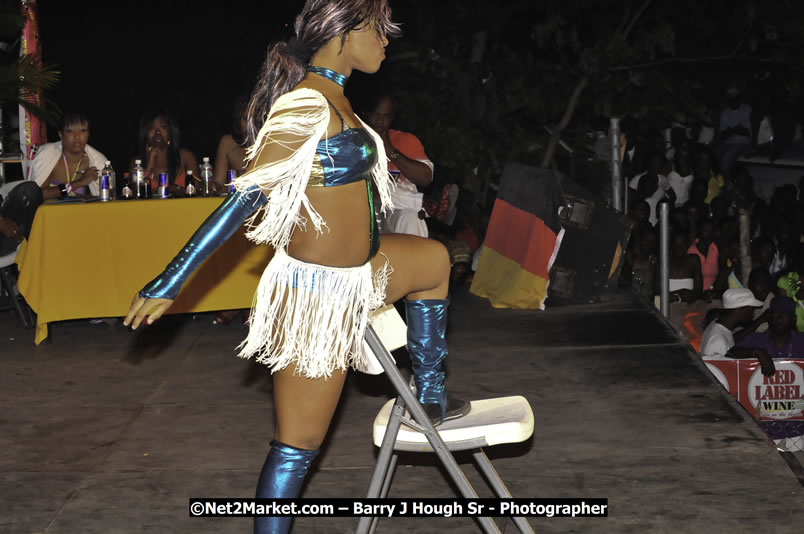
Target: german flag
522, 239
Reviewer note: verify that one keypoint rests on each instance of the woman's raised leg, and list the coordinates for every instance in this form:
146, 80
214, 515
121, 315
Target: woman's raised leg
421, 271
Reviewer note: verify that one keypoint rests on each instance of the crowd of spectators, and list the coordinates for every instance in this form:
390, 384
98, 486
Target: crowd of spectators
707, 184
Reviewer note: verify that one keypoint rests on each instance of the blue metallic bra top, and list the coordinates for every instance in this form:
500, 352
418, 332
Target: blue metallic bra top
343, 159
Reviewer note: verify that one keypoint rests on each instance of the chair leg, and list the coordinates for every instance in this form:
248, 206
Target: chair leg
498, 486
386, 451
29, 313
9, 287
382, 473
390, 476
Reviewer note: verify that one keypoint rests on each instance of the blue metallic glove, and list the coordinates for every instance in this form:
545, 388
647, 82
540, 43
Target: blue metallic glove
212, 233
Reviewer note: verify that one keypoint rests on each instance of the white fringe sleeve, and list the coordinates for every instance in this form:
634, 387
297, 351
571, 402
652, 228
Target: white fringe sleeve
297, 121
382, 179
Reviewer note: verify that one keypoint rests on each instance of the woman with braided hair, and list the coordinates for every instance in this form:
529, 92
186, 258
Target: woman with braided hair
308, 190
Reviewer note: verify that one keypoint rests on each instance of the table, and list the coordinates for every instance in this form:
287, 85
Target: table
89, 260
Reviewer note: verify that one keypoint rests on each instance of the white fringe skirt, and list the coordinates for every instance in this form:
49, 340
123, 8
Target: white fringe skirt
312, 316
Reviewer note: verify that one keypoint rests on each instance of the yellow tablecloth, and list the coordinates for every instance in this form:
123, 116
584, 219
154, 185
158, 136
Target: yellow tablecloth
89, 260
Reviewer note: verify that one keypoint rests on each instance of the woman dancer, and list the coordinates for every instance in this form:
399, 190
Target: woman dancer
312, 163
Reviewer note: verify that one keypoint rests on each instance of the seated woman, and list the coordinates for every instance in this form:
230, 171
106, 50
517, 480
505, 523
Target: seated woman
161, 152
69, 167
231, 153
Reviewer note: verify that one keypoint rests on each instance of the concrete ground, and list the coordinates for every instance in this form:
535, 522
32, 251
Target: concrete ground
108, 431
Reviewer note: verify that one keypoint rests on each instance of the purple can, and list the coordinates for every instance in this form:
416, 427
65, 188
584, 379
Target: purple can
163, 185
105, 188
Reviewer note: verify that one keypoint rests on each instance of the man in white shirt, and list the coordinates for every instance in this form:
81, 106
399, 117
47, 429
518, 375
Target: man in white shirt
663, 190
717, 340
680, 178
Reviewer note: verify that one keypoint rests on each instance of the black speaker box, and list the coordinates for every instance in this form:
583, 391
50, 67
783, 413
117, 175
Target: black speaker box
587, 267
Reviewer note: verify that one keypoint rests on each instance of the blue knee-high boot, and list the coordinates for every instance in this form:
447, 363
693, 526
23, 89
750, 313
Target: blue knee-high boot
282, 476
427, 346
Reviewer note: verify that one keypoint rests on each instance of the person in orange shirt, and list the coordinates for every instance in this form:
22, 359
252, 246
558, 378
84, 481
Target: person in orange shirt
408, 164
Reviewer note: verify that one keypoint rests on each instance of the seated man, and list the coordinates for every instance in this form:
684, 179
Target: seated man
718, 338
781, 339
68, 167
408, 163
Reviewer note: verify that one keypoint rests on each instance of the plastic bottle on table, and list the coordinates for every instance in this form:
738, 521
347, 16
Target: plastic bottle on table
206, 178
190, 190
126, 193
141, 185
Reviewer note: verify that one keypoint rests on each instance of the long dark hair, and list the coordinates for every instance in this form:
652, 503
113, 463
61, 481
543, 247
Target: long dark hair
174, 139
319, 22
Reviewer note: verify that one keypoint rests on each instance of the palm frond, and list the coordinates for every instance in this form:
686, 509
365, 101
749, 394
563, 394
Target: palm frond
32, 74
24, 76
50, 112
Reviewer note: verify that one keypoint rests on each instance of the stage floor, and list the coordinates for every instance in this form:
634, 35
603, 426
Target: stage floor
108, 431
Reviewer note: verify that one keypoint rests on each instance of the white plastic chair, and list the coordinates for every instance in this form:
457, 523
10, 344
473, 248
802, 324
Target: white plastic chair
490, 422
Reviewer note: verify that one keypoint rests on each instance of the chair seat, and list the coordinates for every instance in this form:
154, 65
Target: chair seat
490, 422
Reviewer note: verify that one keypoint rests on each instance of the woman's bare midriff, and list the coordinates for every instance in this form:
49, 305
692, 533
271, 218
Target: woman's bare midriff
346, 240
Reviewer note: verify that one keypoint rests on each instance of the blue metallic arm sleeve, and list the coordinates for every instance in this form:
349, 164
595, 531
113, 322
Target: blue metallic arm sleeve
212, 233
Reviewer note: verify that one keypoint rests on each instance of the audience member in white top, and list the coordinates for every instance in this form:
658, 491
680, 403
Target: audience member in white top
70, 166
717, 340
650, 193
680, 178
654, 165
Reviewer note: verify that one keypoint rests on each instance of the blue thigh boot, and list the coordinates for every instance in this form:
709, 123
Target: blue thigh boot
282, 476
427, 346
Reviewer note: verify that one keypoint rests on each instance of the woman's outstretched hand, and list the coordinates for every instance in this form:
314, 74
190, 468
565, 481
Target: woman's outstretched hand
142, 308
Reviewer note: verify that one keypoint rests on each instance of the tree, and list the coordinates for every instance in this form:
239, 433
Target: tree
481, 83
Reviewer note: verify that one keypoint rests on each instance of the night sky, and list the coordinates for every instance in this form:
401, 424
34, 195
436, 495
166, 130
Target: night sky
193, 57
